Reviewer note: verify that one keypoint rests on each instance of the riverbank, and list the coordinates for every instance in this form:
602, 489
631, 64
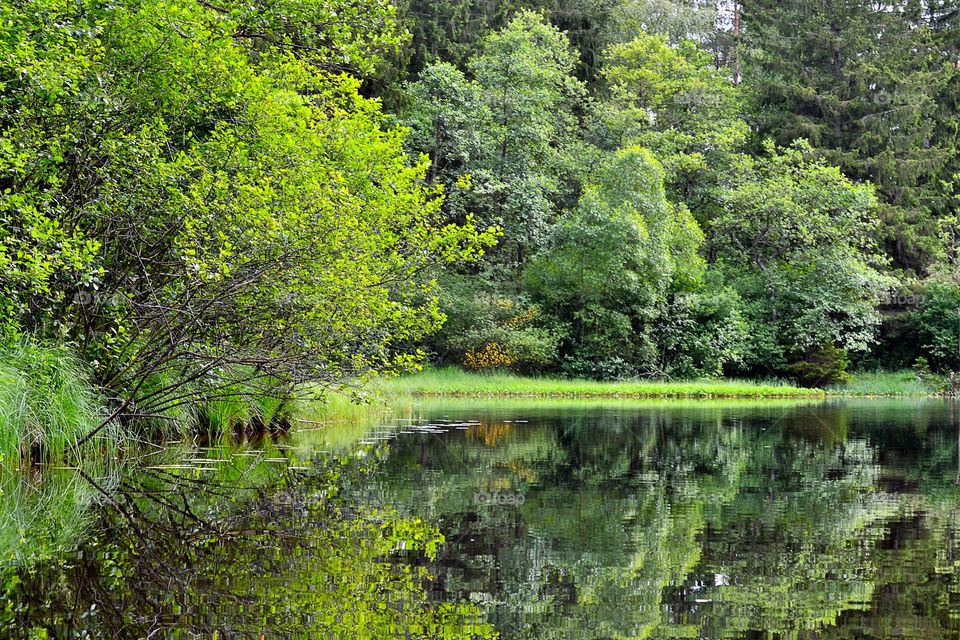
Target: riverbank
456, 383
451, 382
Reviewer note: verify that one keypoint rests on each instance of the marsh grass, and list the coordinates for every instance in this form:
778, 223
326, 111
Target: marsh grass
316, 406
47, 402
233, 400
889, 384
455, 382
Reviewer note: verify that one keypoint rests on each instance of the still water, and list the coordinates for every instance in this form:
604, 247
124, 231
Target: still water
529, 520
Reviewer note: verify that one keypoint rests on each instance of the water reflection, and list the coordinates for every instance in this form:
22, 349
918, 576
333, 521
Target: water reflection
531, 520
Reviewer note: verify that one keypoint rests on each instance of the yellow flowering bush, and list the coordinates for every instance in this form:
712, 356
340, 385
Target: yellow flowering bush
491, 356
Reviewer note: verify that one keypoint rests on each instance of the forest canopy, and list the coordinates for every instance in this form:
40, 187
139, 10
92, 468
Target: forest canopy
798, 187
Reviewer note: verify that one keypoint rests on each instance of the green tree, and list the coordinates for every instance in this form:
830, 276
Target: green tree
938, 324
452, 31
613, 262
188, 189
671, 100
502, 143
450, 122
869, 86
794, 241
679, 20
526, 71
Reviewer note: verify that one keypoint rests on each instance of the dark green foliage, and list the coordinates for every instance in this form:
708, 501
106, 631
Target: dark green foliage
821, 368
938, 320
794, 242
871, 87
702, 334
611, 269
502, 142
453, 30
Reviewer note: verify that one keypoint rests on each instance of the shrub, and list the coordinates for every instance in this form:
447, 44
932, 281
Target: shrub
823, 367
608, 368
938, 323
493, 330
700, 334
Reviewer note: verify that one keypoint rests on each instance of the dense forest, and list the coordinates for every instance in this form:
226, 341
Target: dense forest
208, 200
687, 189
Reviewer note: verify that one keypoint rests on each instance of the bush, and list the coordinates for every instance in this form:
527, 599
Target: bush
487, 330
938, 324
608, 369
823, 367
700, 334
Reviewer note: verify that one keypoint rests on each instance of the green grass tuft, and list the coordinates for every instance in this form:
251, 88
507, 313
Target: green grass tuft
47, 402
888, 384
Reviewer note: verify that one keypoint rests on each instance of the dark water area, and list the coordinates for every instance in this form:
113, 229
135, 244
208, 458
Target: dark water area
527, 520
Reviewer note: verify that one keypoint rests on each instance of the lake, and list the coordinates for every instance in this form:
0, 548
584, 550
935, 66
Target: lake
521, 519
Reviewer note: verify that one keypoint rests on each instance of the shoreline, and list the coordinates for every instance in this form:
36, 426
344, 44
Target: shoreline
455, 383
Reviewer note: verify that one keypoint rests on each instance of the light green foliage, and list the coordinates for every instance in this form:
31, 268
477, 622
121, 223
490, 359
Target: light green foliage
671, 100
44, 515
46, 402
330, 34
190, 185
452, 382
611, 269
293, 556
794, 242
41, 252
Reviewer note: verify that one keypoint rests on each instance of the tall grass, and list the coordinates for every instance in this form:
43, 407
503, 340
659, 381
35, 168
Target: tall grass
888, 384
456, 382
234, 399
47, 402
316, 407
245, 402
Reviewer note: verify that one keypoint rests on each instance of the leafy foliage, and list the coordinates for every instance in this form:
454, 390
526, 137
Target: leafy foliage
871, 89
794, 240
191, 188
611, 268
673, 101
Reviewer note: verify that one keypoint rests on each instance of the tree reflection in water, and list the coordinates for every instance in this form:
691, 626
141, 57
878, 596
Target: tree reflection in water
702, 520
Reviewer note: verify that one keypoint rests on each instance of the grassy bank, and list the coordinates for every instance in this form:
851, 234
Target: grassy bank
457, 383
452, 382
890, 384
47, 403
